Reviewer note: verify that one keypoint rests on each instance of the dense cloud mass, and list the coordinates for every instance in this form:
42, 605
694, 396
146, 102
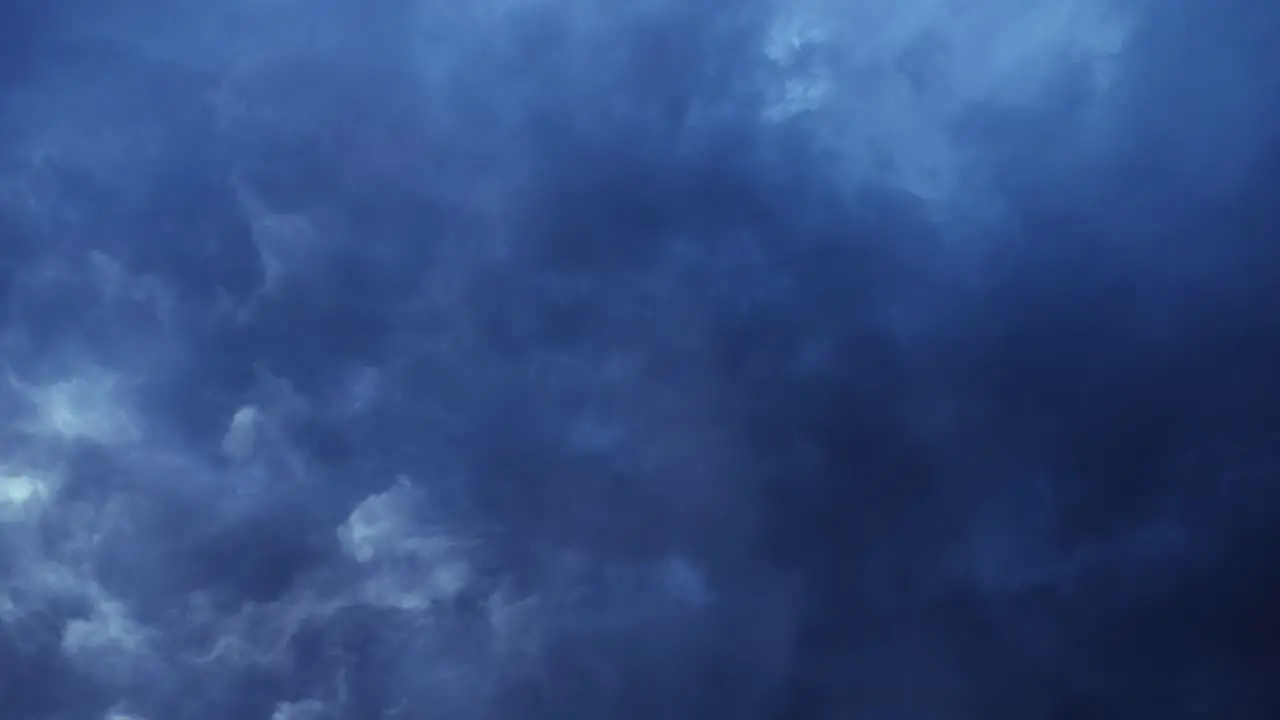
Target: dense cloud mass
559, 359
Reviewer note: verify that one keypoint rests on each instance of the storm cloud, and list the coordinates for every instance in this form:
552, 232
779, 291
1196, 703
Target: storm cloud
571, 359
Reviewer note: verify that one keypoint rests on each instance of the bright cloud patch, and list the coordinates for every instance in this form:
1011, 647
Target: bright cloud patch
887, 86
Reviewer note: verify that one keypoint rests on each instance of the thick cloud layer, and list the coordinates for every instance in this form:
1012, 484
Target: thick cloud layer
574, 359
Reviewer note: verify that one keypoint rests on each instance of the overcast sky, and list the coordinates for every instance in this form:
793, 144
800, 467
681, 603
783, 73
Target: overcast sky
573, 359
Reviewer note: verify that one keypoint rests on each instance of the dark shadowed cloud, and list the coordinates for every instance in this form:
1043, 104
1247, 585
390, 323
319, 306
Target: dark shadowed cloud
556, 359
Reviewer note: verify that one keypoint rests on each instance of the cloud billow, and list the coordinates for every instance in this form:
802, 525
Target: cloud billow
555, 359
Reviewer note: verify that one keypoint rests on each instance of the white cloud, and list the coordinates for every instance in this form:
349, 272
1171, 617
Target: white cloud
90, 406
22, 495
428, 564
301, 710
884, 84
242, 434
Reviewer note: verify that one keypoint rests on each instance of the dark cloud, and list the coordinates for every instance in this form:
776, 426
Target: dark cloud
557, 359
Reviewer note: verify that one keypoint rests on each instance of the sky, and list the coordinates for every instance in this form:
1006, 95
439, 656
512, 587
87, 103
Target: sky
560, 359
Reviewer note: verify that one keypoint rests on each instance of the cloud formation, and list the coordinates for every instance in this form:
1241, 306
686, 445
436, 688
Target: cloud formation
554, 359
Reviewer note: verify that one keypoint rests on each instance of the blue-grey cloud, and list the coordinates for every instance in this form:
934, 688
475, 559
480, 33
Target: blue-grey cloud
556, 359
